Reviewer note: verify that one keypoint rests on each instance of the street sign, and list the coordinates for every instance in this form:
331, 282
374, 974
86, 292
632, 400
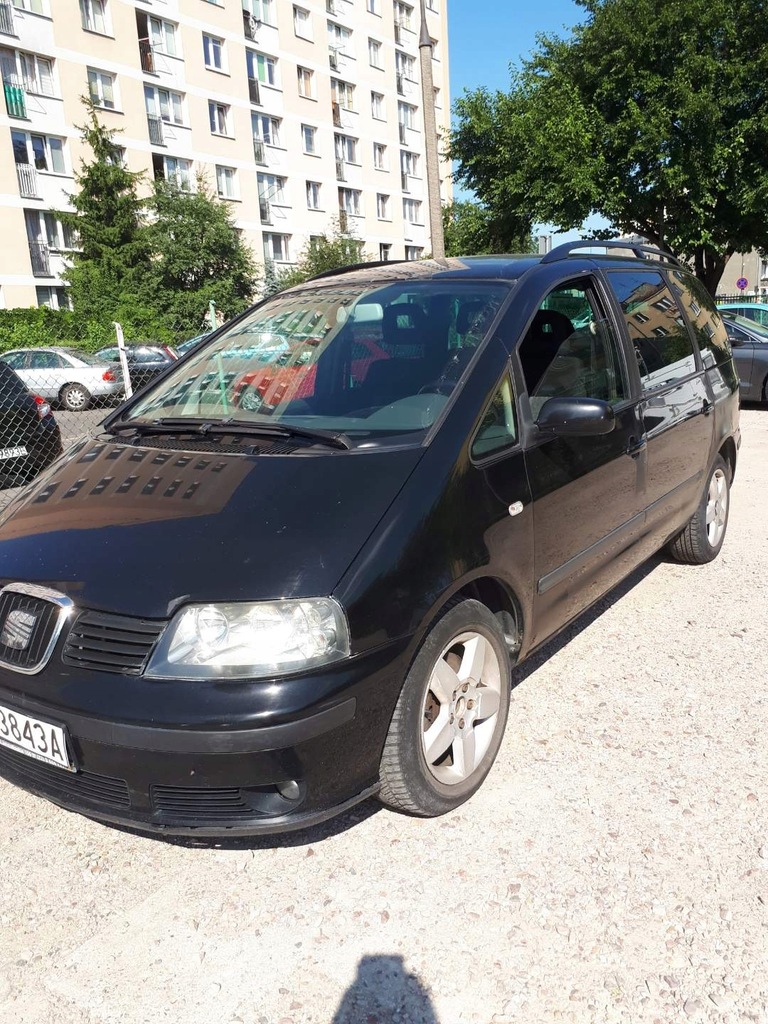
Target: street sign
742, 283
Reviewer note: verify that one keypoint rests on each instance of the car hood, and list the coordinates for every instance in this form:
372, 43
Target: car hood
142, 530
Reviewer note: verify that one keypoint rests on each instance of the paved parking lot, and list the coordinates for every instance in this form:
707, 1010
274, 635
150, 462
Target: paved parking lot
613, 868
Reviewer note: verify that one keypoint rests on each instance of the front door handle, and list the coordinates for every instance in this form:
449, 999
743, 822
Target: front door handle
707, 406
635, 446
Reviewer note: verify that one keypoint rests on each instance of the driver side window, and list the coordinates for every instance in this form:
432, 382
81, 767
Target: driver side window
570, 350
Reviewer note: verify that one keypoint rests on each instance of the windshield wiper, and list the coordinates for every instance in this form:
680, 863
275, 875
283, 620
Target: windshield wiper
208, 428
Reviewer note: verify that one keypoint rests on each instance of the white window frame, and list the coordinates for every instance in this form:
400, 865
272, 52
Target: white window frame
302, 23
174, 104
272, 136
372, 6
305, 76
309, 133
219, 113
35, 83
343, 146
349, 201
99, 96
378, 106
414, 252
272, 188
412, 211
343, 93
339, 37
260, 10
256, 61
161, 33
374, 53
380, 149
178, 170
403, 15
409, 163
268, 239
47, 151
406, 115
32, 6
94, 17
58, 297
214, 53
405, 65
313, 195
227, 175
382, 206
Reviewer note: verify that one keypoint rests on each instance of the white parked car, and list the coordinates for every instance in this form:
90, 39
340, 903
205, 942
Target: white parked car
68, 376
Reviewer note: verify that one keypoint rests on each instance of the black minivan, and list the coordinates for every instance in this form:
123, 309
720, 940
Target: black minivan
287, 577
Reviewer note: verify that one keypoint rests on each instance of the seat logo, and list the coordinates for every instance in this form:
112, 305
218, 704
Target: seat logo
17, 631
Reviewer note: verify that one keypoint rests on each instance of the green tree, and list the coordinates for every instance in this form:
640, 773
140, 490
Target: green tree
107, 220
197, 256
471, 229
650, 114
324, 252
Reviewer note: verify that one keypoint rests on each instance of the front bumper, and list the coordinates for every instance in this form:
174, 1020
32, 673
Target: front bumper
221, 776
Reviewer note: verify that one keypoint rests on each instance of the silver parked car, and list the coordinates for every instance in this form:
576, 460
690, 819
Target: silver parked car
749, 341
68, 376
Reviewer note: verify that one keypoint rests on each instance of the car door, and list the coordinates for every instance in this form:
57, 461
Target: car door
44, 373
586, 491
743, 346
676, 404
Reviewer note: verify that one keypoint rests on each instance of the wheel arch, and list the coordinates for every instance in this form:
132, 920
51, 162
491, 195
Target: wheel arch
727, 451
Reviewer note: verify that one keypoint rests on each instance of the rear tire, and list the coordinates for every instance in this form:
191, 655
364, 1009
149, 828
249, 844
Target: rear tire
74, 397
449, 721
702, 538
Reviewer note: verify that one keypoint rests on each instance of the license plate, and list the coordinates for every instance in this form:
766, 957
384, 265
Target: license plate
30, 736
13, 453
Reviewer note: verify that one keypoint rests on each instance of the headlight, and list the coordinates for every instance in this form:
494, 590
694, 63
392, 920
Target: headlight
247, 641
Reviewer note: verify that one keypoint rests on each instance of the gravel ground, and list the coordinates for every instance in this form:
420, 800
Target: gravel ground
613, 868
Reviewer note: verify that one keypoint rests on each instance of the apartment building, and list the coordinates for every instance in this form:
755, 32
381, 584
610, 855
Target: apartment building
295, 113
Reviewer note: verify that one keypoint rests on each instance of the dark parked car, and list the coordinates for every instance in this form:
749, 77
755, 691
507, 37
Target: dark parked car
749, 341
29, 435
221, 619
145, 362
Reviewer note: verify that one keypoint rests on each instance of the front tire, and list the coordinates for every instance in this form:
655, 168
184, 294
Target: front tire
449, 721
75, 397
702, 538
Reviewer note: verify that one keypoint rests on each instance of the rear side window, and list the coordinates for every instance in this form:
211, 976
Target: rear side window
11, 385
656, 327
707, 323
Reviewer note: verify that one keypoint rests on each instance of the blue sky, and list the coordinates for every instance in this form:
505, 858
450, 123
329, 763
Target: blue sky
485, 36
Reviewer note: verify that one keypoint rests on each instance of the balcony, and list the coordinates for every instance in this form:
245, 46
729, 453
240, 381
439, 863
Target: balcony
265, 211
400, 77
341, 170
402, 131
250, 26
333, 60
27, 175
343, 220
398, 33
404, 181
147, 56
155, 125
6, 19
15, 98
259, 152
336, 109
39, 253
254, 92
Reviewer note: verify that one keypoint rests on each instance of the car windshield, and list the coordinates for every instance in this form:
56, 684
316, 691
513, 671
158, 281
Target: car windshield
378, 363
746, 323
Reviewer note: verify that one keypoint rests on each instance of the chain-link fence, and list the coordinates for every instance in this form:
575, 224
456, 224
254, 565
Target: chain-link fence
54, 388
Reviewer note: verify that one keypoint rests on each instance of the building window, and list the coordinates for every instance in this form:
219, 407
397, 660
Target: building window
313, 195
405, 66
403, 15
213, 52
379, 156
406, 114
172, 169
102, 89
432, 5
306, 82
302, 23
44, 152
385, 251
44, 227
346, 148
412, 211
162, 36
374, 54
377, 106
343, 93
226, 182
162, 103
382, 206
266, 128
260, 10
271, 188
372, 6
309, 138
93, 16
53, 298
409, 163
37, 74
338, 37
413, 252
218, 116
262, 68
349, 201
276, 247
33, 6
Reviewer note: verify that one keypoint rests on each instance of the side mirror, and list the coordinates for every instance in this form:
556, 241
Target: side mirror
576, 417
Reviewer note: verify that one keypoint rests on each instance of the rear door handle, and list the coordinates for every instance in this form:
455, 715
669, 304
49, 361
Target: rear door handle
707, 406
636, 446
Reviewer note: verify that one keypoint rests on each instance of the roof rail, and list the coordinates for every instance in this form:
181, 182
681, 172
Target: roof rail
560, 252
354, 266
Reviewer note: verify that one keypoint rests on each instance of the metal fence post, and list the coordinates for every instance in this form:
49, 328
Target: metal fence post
123, 360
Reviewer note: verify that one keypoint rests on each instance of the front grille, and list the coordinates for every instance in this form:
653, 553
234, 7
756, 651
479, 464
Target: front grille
29, 625
211, 804
229, 445
111, 643
99, 789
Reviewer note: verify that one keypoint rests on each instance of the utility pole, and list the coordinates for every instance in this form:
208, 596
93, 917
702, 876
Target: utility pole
430, 139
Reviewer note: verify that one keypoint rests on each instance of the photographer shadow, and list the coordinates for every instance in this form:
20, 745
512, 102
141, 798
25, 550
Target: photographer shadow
385, 992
